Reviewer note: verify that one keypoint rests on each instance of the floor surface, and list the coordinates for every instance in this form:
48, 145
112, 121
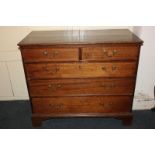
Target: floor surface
17, 115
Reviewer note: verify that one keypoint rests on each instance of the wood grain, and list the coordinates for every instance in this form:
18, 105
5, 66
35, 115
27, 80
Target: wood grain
82, 70
81, 87
105, 104
110, 53
75, 37
50, 54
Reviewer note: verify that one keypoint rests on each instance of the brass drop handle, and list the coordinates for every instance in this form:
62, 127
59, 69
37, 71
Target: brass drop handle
54, 86
56, 106
55, 53
115, 52
110, 53
104, 68
114, 67
53, 70
45, 53
57, 69
50, 86
59, 86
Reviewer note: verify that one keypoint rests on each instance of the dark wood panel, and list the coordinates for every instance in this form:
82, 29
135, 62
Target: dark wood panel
79, 37
83, 70
58, 105
119, 115
126, 117
110, 53
50, 54
81, 87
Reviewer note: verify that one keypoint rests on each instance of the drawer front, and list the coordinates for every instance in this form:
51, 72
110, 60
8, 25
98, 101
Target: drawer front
64, 105
110, 53
51, 54
80, 87
83, 70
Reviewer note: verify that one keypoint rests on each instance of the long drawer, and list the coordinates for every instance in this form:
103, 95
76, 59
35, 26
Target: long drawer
110, 53
80, 70
80, 87
50, 54
64, 105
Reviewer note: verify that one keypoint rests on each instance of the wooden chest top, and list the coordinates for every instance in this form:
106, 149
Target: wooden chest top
79, 37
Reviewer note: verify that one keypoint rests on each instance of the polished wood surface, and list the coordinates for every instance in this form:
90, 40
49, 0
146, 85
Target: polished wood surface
81, 87
110, 53
69, 105
81, 73
83, 70
51, 54
79, 37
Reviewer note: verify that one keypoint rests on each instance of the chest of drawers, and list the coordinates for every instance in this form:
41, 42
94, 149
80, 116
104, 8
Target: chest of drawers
81, 73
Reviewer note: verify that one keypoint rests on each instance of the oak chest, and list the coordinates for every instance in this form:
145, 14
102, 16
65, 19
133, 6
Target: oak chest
85, 73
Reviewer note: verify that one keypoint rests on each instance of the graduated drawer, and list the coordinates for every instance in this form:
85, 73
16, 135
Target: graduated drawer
64, 105
80, 87
80, 70
50, 54
110, 53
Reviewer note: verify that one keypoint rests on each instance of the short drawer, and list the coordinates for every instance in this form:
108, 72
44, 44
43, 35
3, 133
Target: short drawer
81, 87
50, 54
110, 53
64, 105
81, 70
